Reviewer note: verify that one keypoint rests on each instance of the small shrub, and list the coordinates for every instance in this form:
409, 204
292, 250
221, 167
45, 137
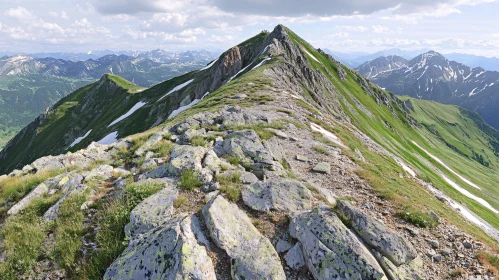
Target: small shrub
234, 160
321, 150
418, 218
189, 180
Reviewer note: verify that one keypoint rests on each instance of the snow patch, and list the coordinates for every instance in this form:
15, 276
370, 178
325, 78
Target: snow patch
177, 88
262, 62
206, 94
183, 108
448, 168
209, 65
127, 114
405, 167
311, 55
109, 139
468, 194
79, 139
242, 70
327, 134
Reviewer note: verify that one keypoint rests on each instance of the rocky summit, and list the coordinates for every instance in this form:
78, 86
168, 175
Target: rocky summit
274, 161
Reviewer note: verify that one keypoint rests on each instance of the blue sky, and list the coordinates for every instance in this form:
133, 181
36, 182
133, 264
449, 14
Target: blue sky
466, 26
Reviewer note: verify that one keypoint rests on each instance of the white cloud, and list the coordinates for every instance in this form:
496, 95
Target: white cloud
19, 13
339, 35
353, 28
381, 29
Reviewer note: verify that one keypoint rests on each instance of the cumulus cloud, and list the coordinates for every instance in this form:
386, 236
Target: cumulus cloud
20, 13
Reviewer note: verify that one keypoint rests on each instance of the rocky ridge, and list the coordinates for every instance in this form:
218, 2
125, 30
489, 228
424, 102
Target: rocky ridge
292, 218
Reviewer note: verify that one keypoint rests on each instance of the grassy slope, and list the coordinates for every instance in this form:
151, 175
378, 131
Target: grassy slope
397, 137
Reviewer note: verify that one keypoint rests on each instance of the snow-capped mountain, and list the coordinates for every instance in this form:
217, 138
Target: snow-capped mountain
431, 76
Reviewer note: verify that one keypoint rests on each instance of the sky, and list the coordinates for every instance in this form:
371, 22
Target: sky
464, 26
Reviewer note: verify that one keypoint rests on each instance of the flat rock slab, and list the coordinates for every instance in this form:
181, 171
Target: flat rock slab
170, 251
322, 167
331, 251
252, 254
301, 158
37, 192
386, 241
152, 211
283, 194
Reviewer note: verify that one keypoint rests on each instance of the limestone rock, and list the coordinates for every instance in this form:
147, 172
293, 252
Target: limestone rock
152, 211
331, 251
282, 246
377, 235
409, 271
148, 144
282, 194
252, 254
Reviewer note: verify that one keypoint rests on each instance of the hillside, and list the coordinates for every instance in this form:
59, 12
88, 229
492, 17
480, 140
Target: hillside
273, 162
28, 86
431, 76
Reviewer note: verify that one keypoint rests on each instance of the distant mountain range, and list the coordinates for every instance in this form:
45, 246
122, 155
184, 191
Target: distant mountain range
354, 60
29, 85
431, 76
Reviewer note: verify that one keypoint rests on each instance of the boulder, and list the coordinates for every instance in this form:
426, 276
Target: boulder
331, 251
283, 194
388, 242
252, 255
183, 157
167, 252
100, 173
152, 211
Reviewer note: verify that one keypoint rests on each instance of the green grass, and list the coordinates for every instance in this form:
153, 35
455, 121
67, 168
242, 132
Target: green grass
123, 83
68, 233
321, 150
418, 218
198, 141
23, 237
163, 148
189, 180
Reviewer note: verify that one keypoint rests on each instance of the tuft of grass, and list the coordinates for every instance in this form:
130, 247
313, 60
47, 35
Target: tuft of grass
163, 148
285, 111
491, 261
231, 186
189, 180
418, 218
181, 200
321, 150
198, 141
